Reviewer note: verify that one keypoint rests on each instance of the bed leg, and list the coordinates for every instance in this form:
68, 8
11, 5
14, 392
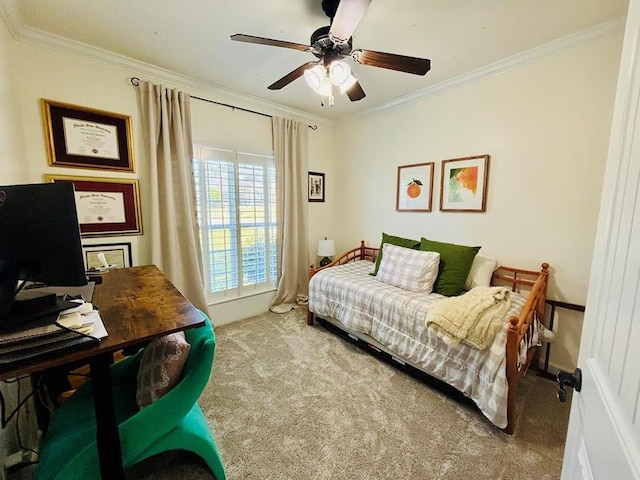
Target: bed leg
511, 405
309, 317
512, 373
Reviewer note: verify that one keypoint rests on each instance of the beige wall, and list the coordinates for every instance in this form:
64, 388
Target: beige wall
546, 127
13, 167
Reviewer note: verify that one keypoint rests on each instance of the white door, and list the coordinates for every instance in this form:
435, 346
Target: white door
603, 440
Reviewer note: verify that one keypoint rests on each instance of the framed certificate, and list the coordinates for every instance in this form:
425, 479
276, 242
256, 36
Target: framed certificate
106, 206
87, 138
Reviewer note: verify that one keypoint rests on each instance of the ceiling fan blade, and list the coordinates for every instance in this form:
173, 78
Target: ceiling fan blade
291, 76
356, 92
239, 37
391, 61
347, 18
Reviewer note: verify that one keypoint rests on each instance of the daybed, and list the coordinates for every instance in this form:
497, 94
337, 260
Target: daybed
392, 320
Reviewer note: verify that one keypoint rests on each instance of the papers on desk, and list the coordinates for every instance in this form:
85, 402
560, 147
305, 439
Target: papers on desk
83, 319
79, 321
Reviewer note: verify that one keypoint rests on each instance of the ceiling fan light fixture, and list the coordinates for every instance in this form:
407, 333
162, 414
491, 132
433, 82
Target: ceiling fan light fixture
326, 88
347, 84
314, 76
339, 72
330, 45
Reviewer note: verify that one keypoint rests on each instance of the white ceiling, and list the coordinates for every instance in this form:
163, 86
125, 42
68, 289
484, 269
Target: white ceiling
192, 38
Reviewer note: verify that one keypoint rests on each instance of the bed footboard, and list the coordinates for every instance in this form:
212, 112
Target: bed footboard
521, 328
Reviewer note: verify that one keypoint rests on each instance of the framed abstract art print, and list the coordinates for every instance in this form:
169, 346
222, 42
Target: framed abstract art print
463, 184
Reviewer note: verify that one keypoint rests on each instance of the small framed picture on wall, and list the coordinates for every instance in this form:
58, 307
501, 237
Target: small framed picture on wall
316, 187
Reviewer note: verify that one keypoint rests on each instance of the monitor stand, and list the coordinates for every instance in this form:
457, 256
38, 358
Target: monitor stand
84, 291
30, 300
34, 312
36, 306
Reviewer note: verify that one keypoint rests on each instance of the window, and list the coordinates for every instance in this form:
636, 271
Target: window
236, 207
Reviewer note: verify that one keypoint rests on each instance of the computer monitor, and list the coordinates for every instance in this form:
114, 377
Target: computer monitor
39, 241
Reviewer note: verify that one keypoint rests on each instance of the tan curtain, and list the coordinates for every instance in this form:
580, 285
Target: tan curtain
175, 245
290, 144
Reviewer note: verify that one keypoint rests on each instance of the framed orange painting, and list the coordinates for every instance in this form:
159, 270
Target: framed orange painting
414, 187
463, 184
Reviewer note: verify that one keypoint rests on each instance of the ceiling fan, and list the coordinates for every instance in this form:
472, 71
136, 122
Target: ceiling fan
333, 43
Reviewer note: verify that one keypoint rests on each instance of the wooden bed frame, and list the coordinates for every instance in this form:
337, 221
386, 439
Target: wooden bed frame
520, 328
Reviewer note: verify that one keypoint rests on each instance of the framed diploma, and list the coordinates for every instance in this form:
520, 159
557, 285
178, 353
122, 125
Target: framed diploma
105, 206
87, 138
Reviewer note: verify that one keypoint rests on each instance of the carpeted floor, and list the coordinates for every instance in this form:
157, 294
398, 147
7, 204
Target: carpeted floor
288, 401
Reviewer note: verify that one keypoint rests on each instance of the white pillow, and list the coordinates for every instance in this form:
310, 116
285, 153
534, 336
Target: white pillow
413, 270
481, 272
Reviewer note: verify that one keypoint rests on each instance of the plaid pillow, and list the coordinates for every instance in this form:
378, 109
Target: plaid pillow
413, 270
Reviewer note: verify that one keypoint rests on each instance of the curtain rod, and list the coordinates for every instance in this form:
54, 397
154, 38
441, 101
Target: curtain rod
135, 81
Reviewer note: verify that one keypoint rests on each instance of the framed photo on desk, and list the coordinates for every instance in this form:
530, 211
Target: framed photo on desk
116, 255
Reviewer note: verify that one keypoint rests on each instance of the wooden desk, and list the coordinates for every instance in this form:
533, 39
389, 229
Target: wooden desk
136, 305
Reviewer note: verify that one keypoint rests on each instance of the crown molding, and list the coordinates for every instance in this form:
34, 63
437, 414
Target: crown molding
143, 70
9, 10
527, 57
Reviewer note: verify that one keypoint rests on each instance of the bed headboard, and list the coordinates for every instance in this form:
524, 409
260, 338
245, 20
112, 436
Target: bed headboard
359, 253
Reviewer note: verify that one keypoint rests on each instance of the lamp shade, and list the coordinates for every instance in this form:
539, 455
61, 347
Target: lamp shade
326, 248
314, 76
339, 72
347, 84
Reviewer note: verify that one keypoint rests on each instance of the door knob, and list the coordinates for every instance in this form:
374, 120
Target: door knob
566, 379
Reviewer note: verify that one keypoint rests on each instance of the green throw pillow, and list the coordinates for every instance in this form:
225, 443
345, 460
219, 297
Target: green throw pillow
455, 263
400, 242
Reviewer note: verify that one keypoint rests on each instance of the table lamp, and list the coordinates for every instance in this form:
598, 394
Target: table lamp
326, 249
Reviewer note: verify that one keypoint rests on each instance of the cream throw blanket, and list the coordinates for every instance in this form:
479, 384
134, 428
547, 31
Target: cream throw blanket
473, 318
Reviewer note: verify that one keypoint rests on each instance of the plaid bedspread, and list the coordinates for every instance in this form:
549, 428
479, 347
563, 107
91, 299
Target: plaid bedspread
396, 318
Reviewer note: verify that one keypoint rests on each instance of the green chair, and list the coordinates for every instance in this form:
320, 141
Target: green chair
173, 422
